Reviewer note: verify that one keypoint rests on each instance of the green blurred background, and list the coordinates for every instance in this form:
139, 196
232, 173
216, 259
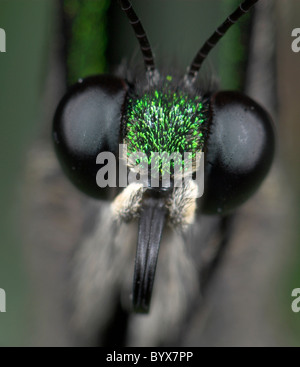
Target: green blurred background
22, 73
33, 29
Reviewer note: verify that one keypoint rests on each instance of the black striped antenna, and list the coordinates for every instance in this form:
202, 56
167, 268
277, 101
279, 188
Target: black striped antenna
215, 38
140, 35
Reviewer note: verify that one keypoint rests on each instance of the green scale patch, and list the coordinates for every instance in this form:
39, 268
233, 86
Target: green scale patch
165, 122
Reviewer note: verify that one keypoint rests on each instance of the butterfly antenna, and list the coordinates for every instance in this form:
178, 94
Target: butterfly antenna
193, 70
141, 37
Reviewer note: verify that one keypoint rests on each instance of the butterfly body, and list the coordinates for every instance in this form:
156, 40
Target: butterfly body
158, 114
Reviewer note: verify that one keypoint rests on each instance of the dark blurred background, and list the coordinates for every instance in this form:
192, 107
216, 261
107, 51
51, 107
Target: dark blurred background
176, 29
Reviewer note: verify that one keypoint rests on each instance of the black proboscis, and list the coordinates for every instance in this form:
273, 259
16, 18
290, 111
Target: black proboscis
151, 225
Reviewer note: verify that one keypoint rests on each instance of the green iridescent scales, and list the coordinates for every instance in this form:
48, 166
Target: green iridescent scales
165, 122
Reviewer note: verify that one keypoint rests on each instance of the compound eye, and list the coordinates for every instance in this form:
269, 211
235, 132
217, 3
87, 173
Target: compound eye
87, 123
240, 151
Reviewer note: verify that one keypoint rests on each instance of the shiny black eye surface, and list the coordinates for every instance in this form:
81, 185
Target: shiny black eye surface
86, 123
240, 151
